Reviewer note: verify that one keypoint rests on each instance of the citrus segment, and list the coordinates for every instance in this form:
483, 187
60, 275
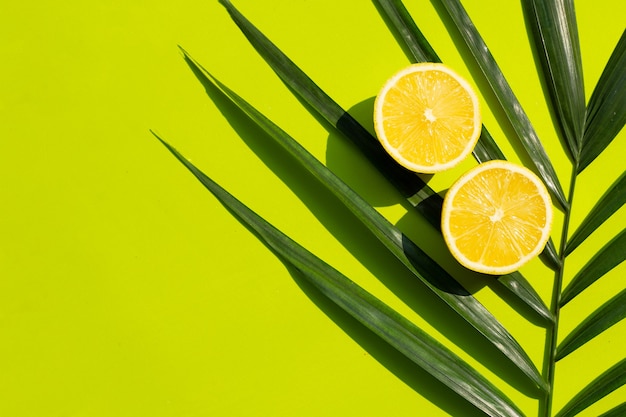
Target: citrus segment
496, 217
427, 117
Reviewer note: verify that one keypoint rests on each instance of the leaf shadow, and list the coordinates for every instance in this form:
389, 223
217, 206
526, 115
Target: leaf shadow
364, 247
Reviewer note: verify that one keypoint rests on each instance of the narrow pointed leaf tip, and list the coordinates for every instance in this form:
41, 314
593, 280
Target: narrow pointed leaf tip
423, 267
600, 320
597, 389
611, 255
611, 201
408, 184
618, 411
396, 330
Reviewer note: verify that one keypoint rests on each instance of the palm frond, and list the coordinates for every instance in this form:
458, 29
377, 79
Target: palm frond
556, 36
418, 193
601, 319
419, 263
606, 111
611, 255
612, 200
395, 329
600, 387
586, 131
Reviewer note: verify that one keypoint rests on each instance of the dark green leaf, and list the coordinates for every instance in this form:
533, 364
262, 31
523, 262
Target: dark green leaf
511, 106
556, 40
611, 255
396, 330
600, 387
606, 111
618, 411
610, 202
604, 317
423, 267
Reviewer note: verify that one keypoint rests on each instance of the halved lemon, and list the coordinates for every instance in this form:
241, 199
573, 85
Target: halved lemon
427, 117
496, 217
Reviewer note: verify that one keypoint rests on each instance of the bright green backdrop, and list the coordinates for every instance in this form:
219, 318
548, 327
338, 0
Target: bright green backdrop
127, 290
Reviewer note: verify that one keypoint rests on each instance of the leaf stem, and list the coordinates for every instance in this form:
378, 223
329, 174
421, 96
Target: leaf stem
555, 307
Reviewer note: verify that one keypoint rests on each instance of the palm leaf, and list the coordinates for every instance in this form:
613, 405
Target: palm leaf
486, 149
600, 387
422, 266
418, 193
611, 255
604, 317
395, 329
556, 36
610, 202
606, 111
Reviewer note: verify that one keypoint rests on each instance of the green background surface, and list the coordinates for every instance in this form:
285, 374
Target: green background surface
126, 289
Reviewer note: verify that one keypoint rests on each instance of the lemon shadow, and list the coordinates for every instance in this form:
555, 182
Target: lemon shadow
346, 160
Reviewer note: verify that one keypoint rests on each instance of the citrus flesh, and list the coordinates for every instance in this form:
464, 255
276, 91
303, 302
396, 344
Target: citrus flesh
496, 217
427, 117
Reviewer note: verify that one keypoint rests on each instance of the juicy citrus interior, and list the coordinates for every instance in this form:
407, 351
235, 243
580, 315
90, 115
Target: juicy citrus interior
496, 217
427, 117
